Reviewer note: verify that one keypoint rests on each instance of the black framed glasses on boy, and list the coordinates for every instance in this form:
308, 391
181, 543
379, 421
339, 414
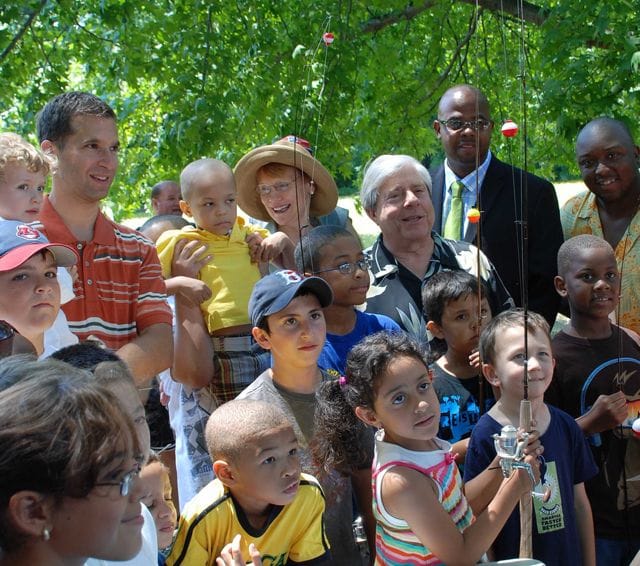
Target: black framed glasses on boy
456, 124
125, 483
347, 268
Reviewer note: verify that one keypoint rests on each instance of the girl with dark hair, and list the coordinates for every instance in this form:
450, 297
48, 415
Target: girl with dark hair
422, 515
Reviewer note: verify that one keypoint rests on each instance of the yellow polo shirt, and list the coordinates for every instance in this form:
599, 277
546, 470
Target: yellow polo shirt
230, 274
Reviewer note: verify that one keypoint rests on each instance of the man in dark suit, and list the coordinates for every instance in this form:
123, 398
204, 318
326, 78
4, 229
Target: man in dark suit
464, 127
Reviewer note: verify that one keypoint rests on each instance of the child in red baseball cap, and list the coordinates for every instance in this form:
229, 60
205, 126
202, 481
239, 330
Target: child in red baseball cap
29, 289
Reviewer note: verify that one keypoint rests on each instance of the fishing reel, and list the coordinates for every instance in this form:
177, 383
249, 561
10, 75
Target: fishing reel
511, 452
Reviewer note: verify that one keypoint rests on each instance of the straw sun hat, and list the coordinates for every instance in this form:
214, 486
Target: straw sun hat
285, 152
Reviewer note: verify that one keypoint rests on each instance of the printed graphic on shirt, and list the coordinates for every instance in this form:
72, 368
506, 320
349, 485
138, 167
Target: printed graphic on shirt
458, 417
280, 560
550, 515
619, 375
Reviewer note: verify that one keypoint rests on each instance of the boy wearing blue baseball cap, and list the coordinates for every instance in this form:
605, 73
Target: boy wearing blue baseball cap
29, 289
285, 309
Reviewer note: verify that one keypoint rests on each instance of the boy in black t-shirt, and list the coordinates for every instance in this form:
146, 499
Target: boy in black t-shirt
597, 381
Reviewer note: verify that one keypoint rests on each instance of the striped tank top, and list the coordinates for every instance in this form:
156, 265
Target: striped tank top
395, 541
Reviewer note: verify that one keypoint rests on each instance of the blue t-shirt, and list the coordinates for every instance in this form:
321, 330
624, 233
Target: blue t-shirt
555, 539
336, 348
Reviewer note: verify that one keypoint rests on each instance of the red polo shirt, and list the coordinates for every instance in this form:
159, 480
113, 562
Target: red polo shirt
120, 290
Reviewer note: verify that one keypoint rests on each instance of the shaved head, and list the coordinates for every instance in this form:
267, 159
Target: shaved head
237, 424
602, 124
459, 92
573, 246
198, 170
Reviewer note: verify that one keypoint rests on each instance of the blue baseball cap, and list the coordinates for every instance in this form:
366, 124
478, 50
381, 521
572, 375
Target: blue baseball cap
20, 241
275, 291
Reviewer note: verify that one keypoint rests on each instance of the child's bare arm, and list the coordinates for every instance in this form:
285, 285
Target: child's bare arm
193, 350
584, 519
606, 413
480, 490
413, 496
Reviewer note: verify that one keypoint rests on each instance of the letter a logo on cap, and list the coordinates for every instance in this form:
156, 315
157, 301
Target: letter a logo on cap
289, 276
27, 232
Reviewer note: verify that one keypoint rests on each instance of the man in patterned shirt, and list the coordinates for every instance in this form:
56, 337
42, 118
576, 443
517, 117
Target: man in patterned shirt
608, 160
120, 294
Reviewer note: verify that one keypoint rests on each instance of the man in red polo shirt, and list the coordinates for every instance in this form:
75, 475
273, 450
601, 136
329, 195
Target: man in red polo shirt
120, 293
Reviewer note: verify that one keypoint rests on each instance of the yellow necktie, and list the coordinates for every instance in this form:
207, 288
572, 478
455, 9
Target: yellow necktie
453, 225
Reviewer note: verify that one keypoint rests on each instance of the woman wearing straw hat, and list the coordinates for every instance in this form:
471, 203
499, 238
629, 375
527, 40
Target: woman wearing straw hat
283, 185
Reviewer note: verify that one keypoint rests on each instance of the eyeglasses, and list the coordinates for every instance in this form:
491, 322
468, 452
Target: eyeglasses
348, 268
6, 331
125, 483
282, 187
455, 124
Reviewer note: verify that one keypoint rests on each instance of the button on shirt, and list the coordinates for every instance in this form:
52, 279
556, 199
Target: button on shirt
468, 194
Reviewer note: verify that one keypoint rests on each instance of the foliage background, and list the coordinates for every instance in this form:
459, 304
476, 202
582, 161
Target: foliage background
195, 78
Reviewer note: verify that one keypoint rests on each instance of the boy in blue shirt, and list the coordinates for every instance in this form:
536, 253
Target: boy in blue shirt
562, 527
335, 255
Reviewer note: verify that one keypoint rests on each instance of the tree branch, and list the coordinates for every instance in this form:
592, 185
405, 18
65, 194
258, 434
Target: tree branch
18, 36
531, 13
456, 54
410, 12
205, 62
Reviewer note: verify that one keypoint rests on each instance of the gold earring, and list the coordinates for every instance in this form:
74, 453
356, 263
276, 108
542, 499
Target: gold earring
46, 534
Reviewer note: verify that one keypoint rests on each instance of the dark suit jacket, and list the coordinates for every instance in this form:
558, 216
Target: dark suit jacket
500, 234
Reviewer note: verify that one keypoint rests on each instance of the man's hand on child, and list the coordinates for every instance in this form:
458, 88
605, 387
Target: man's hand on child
607, 412
232, 556
189, 257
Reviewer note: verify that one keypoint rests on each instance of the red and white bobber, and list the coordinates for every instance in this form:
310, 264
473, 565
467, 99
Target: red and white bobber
509, 129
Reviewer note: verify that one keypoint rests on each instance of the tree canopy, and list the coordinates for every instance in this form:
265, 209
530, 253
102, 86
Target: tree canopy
195, 78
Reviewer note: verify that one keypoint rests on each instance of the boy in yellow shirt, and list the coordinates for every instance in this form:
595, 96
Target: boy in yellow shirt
221, 251
259, 492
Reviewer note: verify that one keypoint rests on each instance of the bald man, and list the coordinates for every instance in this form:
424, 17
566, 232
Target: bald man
165, 198
464, 126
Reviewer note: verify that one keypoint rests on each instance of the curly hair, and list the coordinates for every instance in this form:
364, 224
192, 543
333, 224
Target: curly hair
337, 428
15, 149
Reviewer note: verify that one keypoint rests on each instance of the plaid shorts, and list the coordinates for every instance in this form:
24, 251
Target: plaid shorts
237, 361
